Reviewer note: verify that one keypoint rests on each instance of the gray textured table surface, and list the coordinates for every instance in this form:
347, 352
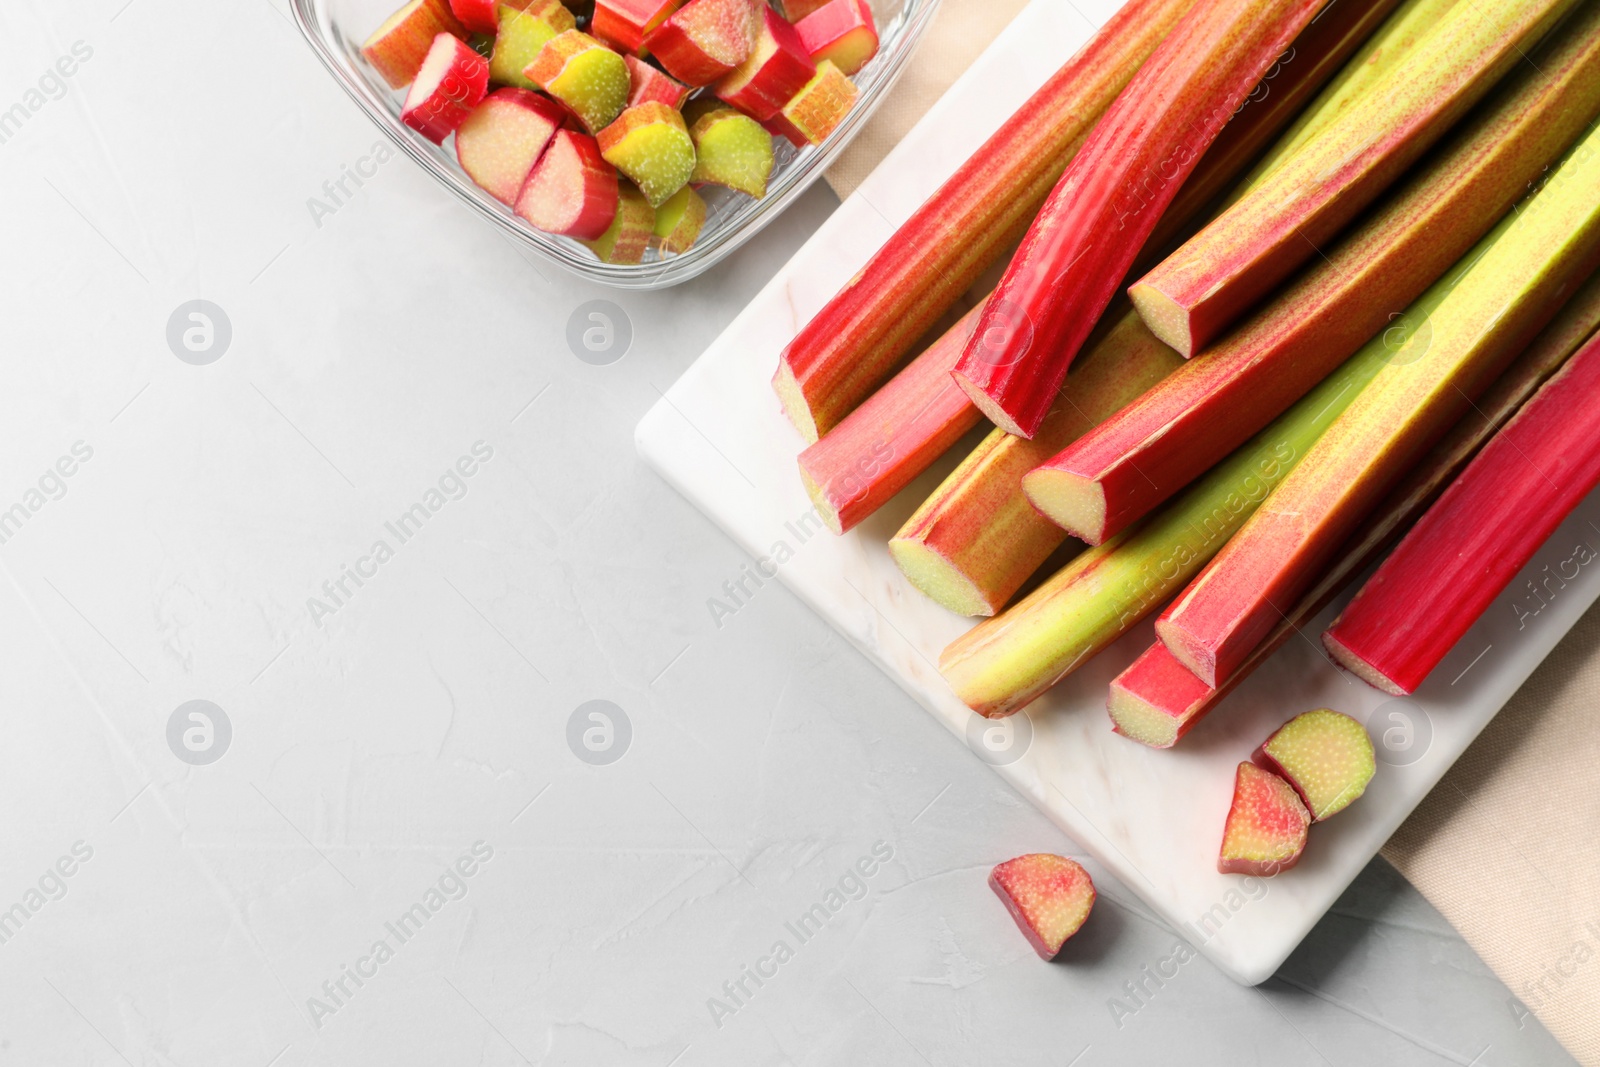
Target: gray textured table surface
228, 892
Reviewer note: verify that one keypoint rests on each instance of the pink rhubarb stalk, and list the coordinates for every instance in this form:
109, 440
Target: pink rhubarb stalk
1514, 287
886, 442
1485, 528
976, 540
854, 342
1131, 463
1258, 242
1158, 700
1090, 231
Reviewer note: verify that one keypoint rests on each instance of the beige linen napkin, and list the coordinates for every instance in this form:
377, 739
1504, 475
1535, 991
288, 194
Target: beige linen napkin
1508, 846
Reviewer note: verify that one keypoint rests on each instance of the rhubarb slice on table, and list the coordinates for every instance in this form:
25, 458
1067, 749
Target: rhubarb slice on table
397, 48
1325, 755
1252, 247
855, 342
587, 78
975, 541
1483, 531
1267, 825
504, 137
628, 236
705, 39
1534, 259
1158, 700
651, 145
572, 191
732, 150
626, 23
451, 82
679, 222
1127, 466
840, 32
1049, 896
525, 28
775, 70
1091, 230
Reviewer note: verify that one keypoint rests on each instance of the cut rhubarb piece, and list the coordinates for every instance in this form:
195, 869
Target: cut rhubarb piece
886, 442
1267, 825
628, 236
840, 32
504, 137
1158, 700
855, 342
1325, 755
1510, 292
478, 16
1090, 231
1126, 467
524, 31
816, 110
651, 145
573, 190
705, 39
626, 23
732, 150
775, 70
1049, 896
975, 541
452, 81
647, 85
397, 49
1005, 663
679, 221
1252, 247
1278, 103
1483, 531
587, 78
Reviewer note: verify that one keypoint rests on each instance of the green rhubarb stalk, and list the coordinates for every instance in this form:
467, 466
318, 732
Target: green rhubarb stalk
1005, 663
1539, 254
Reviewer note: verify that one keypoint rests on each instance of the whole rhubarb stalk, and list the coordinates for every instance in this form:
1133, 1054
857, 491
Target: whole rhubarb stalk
886, 442
1509, 294
1128, 465
1277, 101
1485, 528
976, 540
854, 342
1221, 272
1004, 663
1158, 700
1113, 193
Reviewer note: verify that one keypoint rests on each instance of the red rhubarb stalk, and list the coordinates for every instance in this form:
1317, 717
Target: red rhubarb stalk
1158, 700
1485, 528
1114, 191
1131, 463
976, 540
886, 442
1513, 289
854, 342
1257, 243
1277, 100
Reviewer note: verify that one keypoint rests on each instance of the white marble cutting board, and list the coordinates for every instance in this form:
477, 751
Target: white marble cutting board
1155, 818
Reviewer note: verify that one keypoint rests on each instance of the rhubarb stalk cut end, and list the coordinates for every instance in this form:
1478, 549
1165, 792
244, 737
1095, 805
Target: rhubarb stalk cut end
1187, 649
794, 403
819, 499
1071, 501
1325, 755
1347, 658
1157, 699
941, 580
1050, 898
986, 404
1267, 824
1167, 319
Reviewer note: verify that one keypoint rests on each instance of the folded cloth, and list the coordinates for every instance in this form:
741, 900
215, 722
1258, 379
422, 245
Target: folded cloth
960, 32
1507, 847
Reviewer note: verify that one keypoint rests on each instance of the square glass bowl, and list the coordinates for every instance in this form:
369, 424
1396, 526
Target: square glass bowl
337, 28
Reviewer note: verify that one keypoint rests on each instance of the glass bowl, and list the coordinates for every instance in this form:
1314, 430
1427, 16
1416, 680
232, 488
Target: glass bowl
337, 28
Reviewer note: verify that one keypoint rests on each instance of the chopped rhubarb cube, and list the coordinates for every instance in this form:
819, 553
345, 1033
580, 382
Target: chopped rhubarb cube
572, 190
648, 84
732, 150
525, 28
776, 69
452, 81
504, 137
651, 145
628, 236
841, 32
398, 47
626, 23
679, 221
817, 110
586, 77
705, 39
